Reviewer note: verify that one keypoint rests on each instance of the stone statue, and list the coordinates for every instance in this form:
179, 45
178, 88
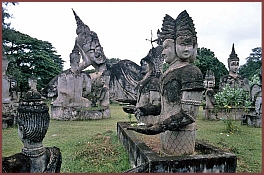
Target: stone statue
181, 88
33, 123
209, 94
148, 104
233, 79
9, 95
124, 79
89, 44
5, 80
73, 86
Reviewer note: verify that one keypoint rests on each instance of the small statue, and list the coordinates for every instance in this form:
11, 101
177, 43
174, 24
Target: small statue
33, 123
209, 94
233, 79
181, 88
104, 93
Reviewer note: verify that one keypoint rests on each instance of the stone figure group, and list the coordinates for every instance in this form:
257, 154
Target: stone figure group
76, 89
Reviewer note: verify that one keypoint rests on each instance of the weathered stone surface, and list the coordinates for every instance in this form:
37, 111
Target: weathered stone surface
124, 78
233, 79
208, 159
181, 85
33, 123
9, 96
209, 83
148, 104
72, 113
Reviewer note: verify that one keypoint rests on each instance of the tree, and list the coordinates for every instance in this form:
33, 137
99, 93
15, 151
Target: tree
28, 56
252, 65
5, 14
206, 60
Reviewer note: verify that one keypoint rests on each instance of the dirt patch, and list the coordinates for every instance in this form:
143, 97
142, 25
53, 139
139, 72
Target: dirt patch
152, 141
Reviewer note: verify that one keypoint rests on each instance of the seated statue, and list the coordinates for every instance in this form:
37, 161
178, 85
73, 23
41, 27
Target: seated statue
233, 79
181, 88
33, 123
73, 86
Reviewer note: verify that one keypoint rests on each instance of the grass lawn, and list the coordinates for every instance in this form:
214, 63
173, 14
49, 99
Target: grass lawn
92, 146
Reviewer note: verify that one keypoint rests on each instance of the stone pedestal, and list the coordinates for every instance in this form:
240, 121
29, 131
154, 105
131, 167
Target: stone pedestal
73, 113
253, 120
143, 159
231, 113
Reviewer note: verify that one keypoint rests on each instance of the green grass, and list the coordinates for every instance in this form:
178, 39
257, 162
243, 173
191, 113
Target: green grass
92, 146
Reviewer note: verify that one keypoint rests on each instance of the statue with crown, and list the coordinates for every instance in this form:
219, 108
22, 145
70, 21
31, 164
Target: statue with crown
233, 79
181, 88
209, 84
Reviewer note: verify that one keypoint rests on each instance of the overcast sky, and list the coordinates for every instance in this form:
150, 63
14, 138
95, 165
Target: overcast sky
123, 27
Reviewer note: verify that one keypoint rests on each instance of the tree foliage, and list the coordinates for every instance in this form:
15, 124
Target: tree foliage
28, 56
253, 64
206, 60
5, 14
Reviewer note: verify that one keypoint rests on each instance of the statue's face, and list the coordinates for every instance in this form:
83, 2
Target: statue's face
99, 55
184, 48
210, 84
75, 62
169, 51
234, 66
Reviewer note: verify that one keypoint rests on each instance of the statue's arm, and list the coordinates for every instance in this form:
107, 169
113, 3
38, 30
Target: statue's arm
87, 85
86, 61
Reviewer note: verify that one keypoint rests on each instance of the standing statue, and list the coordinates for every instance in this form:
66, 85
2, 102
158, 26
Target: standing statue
209, 94
33, 123
181, 88
233, 79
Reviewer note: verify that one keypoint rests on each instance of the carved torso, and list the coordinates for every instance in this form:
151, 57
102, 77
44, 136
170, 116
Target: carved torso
238, 81
174, 81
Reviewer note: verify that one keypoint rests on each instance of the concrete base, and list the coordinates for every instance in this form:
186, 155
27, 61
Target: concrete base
143, 159
72, 113
253, 120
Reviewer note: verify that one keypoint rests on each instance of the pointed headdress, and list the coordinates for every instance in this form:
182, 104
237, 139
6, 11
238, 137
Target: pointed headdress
232, 56
182, 26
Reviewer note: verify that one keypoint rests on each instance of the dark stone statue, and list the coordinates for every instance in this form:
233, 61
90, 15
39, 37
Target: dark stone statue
33, 123
148, 104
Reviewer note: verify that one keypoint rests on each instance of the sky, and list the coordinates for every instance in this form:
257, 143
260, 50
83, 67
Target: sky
123, 27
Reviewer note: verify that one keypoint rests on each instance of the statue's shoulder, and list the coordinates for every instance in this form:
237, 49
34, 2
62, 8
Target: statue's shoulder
17, 163
54, 160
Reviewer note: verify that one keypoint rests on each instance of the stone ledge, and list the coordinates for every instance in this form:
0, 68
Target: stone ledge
143, 159
73, 113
